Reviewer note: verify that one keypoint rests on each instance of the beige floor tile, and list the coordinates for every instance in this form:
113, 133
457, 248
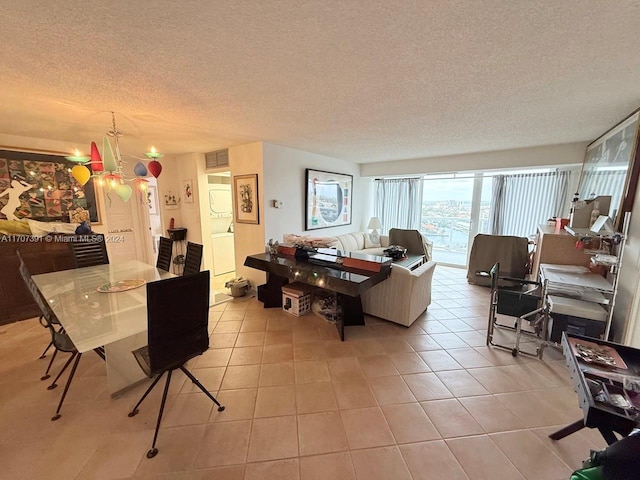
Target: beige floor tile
495, 380
368, 346
563, 399
310, 371
409, 423
210, 378
315, 397
531, 410
338, 349
254, 325
469, 358
272, 374
246, 356
280, 323
177, 450
227, 327
188, 409
224, 443
391, 390
491, 414
423, 343
448, 340
426, 386
306, 335
451, 418
456, 325
530, 456
334, 466
409, 362
239, 405
366, 427
429, 460
241, 376
482, 459
395, 345
250, 339
214, 357
273, 438
222, 340
460, 383
278, 337
344, 369
231, 472
355, 393
309, 351
277, 353
380, 464
571, 450
231, 315
275, 470
473, 338
275, 401
377, 366
321, 433
439, 360
434, 327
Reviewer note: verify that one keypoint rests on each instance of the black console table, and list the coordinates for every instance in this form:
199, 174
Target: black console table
605, 410
347, 283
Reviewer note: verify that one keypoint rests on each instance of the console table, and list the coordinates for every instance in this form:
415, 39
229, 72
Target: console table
347, 283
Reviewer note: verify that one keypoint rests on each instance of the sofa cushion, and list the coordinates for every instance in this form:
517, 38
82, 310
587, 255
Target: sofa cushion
369, 241
350, 242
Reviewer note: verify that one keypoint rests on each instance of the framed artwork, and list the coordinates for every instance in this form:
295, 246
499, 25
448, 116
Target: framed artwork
245, 192
610, 167
152, 199
187, 191
171, 201
41, 187
328, 199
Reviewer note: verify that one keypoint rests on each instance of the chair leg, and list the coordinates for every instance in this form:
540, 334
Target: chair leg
154, 451
201, 387
134, 410
66, 387
53, 357
44, 354
54, 384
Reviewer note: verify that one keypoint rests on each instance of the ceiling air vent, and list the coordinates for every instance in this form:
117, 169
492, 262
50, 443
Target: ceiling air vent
219, 158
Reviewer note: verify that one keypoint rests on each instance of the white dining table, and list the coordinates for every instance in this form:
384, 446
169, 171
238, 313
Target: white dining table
92, 319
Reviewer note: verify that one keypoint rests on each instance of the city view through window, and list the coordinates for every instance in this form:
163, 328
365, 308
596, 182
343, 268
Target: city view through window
447, 214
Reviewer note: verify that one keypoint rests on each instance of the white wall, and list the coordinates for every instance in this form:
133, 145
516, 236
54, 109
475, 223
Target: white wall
565, 154
284, 170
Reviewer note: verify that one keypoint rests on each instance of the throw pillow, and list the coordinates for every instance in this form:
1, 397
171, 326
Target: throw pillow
371, 241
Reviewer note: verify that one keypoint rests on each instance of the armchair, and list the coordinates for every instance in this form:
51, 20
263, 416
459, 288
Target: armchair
403, 297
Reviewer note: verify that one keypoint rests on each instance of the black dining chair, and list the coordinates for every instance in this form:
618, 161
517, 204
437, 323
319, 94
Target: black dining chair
61, 341
89, 253
165, 250
193, 259
177, 322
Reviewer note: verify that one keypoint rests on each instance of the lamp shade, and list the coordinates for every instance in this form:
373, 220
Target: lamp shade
374, 223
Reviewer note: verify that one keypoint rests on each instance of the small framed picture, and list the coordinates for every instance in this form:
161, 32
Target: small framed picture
245, 192
152, 200
187, 191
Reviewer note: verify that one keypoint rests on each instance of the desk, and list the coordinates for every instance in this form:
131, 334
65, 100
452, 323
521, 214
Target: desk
117, 321
347, 284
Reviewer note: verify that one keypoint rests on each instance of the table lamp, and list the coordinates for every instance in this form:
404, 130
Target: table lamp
375, 224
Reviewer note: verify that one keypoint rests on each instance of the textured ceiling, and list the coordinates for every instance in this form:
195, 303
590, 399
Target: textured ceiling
362, 80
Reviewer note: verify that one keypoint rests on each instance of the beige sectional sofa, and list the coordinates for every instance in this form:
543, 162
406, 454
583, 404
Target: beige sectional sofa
359, 242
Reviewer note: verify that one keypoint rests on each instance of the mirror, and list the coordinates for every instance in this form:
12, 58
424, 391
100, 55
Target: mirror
608, 168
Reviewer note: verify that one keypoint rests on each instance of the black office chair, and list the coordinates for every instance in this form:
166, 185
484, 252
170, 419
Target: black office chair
193, 259
60, 340
165, 248
90, 253
177, 321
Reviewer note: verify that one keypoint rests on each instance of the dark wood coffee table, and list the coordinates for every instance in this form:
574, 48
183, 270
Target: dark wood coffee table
347, 283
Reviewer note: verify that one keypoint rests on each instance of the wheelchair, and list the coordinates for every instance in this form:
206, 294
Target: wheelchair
519, 298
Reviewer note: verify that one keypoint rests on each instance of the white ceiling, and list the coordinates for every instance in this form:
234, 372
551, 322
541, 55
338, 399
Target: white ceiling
363, 80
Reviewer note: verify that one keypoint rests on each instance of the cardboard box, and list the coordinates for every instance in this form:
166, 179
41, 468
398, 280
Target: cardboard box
296, 298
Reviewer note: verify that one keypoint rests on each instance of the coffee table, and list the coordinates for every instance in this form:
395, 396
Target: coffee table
347, 283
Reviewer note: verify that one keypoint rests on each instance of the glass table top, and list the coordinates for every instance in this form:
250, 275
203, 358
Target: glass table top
92, 318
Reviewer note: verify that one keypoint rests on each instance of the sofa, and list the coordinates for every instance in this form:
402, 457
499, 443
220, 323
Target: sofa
403, 297
359, 242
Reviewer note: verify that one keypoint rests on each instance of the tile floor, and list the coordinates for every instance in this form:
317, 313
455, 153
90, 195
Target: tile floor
425, 402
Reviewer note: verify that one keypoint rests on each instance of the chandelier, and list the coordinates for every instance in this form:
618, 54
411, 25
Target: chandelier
108, 168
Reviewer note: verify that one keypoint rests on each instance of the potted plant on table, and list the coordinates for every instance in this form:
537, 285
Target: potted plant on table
238, 286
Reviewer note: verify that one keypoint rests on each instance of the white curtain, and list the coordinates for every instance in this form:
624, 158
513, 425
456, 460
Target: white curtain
520, 202
398, 202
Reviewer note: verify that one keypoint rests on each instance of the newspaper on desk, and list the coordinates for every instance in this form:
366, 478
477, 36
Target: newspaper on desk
576, 282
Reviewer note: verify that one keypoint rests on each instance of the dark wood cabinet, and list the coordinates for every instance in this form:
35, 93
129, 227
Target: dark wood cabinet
41, 256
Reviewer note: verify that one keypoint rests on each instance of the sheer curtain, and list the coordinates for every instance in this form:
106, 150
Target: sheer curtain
520, 202
398, 202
